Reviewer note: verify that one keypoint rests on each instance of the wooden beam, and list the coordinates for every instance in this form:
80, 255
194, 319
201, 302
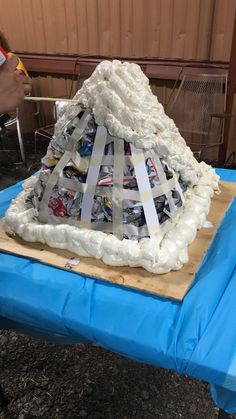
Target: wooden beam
154, 68
50, 64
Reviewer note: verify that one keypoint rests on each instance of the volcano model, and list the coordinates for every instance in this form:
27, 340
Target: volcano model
118, 182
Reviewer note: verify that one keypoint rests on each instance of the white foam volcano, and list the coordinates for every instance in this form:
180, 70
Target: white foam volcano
118, 182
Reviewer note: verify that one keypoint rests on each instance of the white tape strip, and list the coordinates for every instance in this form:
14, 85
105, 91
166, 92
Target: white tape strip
163, 181
53, 178
52, 181
145, 193
92, 176
117, 196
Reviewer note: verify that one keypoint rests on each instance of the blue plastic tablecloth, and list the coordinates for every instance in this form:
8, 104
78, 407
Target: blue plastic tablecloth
195, 337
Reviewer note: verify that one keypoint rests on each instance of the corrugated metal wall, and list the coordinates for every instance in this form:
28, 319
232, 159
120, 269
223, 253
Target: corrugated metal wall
189, 29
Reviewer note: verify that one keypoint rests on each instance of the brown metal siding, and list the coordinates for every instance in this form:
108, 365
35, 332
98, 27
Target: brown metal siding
222, 29
189, 29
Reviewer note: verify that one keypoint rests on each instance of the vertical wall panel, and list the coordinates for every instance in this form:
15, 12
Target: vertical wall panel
126, 27
48, 25
179, 29
11, 20
55, 25
115, 7
166, 28
26, 27
205, 20
153, 28
191, 28
222, 29
84, 26
104, 27
38, 40
140, 39
92, 26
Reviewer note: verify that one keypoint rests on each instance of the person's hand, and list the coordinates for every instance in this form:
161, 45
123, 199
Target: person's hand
27, 83
13, 85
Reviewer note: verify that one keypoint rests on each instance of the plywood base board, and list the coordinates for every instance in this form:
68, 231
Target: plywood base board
173, 285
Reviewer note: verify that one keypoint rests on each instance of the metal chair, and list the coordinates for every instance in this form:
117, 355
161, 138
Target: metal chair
198, 109
14, 120
46, 131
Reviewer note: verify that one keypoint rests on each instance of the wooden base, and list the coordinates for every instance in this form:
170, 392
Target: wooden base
173, 285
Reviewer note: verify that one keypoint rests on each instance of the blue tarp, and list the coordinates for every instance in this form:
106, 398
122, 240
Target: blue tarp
195, 337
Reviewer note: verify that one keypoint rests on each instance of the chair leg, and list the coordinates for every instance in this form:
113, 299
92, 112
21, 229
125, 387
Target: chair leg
35, 143
223, 415
3, 400
22, 151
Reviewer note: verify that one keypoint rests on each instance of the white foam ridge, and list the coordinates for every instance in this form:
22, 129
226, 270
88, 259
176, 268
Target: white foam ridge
156, 257
120, 98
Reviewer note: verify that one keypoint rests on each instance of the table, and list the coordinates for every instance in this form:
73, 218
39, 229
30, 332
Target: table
196, 337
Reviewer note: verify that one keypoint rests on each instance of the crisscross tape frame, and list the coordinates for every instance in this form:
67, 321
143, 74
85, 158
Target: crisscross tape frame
145, 194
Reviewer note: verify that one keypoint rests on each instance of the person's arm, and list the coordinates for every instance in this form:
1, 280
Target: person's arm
13, 85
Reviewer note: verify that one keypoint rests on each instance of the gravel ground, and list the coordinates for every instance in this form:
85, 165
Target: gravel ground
44, 380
